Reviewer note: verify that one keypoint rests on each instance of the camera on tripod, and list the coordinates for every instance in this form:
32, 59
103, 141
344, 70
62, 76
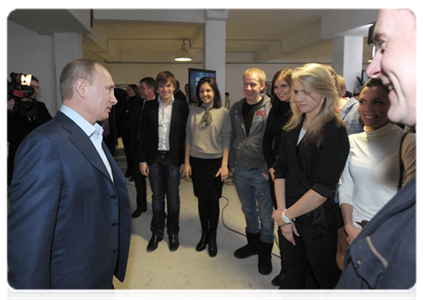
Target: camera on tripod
19, 88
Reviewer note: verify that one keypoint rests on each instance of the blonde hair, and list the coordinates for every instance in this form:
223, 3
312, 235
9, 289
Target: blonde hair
316, 78
259, 72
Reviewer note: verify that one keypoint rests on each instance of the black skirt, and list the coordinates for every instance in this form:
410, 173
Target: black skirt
206, 185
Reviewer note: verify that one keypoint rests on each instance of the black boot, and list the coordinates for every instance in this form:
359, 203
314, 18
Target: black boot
203, 241
278, 280
212, 244
265, 258
251, 248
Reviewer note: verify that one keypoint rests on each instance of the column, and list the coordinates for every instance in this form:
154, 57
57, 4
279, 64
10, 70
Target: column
67, 47
347, 59
215, 46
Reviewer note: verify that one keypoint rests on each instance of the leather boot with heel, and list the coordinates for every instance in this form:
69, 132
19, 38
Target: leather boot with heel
203, 241
212, 244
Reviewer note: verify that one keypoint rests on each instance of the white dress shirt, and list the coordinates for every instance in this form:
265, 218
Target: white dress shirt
165, 116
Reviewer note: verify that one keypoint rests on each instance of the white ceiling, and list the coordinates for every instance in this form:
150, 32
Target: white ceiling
250, 31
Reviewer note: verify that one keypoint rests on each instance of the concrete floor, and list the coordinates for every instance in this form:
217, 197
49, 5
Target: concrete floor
187, 274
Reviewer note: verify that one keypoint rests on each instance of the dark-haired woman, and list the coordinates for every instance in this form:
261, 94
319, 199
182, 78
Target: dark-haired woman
278, 117
372, 172
311, 158
206, 157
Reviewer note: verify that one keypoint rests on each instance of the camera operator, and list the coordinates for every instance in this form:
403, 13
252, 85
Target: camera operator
24, 114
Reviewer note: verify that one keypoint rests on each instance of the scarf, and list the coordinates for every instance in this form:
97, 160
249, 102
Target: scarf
207, 117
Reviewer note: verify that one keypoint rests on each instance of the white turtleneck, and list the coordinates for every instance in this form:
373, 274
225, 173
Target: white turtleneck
371, 175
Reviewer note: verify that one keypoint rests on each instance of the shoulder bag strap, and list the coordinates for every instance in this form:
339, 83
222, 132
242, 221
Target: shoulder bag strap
401, 162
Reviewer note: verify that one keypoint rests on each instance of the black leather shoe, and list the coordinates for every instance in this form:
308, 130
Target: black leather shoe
173, 242
153, 243
138, 212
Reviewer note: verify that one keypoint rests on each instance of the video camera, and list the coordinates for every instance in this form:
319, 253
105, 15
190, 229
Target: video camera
18, 88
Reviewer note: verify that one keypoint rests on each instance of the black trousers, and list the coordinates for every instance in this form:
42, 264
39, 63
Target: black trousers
140, 186
312, 289
127, 146
315, 250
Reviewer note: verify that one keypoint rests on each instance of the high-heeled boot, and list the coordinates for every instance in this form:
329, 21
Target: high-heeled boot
203, 241
212, 244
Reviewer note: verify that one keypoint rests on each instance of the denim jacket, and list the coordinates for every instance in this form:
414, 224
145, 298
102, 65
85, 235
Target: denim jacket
383, 256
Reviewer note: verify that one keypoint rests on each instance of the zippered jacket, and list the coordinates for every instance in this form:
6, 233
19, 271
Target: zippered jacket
246, 151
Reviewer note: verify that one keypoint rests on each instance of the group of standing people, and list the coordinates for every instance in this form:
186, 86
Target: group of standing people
69, 223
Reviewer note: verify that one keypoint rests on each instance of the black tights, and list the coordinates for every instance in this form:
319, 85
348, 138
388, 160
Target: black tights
209, 211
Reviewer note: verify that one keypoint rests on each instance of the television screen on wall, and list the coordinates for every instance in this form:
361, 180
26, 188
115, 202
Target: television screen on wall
194, 76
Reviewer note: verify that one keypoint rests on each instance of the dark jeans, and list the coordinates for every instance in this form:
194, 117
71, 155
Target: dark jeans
315, 250
164, 181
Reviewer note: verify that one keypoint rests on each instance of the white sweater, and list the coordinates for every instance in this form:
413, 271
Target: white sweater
371, 175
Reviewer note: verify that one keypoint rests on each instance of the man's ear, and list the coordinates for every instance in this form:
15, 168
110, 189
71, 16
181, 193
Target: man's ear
263, 85
80, 87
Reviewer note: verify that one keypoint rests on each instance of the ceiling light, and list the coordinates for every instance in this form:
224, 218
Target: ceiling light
183, 54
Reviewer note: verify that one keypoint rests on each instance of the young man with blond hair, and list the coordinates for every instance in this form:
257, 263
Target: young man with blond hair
246, 160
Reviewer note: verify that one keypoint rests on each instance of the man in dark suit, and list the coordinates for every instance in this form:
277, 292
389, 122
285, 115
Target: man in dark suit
162, 147
147, 92
69, 224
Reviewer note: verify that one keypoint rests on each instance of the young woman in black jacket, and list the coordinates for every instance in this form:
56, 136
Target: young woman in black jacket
312, 155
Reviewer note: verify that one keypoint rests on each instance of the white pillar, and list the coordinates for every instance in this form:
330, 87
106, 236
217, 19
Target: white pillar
215, 46
67, 47
347, 59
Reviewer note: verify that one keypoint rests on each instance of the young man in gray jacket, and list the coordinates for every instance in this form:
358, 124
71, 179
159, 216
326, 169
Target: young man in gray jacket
246, 160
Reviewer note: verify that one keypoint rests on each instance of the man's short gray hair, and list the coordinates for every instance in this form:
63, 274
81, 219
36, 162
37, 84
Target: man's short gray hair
82, 68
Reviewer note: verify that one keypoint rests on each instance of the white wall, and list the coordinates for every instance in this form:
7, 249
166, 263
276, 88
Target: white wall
31, 53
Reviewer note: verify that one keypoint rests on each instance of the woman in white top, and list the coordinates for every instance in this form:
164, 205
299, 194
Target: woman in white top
372, 172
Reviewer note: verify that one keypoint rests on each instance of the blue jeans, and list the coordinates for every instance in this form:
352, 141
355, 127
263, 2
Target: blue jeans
164, 181
254, 194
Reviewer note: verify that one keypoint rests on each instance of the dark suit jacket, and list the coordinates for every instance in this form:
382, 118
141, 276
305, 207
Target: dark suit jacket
149, 134
69, 225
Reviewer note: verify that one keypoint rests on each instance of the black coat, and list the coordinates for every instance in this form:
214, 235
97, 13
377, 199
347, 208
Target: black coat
306, 167
149, 132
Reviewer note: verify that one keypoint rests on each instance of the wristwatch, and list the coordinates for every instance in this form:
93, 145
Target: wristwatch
285, 218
